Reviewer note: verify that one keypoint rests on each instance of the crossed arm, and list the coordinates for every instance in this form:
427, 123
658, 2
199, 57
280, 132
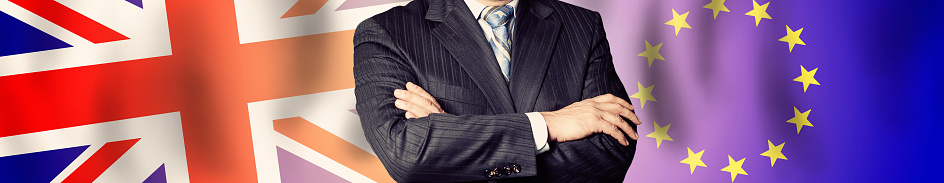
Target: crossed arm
599, 114
582, 153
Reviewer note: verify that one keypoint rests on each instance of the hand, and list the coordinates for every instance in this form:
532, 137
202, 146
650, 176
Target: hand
416, 102
594, 115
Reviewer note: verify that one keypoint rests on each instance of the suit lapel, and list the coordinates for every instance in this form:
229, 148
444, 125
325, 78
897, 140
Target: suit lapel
535, 40
461, 35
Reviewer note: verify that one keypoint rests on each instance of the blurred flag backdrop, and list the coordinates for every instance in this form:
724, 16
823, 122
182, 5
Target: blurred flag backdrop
261, 90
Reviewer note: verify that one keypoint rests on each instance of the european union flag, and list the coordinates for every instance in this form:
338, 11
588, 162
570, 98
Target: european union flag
781, 91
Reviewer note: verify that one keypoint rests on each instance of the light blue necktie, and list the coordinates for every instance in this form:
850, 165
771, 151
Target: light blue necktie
498, 18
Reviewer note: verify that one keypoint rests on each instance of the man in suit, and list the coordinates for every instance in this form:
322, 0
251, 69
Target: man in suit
492, 90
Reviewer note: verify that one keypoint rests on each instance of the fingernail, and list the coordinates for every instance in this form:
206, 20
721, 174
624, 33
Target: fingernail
398, 103
398, 92
410, 84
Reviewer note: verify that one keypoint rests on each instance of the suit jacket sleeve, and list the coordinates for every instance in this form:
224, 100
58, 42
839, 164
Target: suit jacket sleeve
440, 147
598, 157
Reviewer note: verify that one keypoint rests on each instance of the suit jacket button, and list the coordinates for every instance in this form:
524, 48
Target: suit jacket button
507, 170
497, 172
515, 168
488, 173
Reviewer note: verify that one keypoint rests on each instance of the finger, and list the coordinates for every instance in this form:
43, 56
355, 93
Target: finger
612, 98
419, 90
632, 117
632, 134
412, 108
401, 106
619, 109
433, 105
614, 132
409, 115
416, 100
617, 121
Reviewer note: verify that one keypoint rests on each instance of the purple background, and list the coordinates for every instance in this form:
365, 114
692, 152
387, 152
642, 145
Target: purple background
727, 87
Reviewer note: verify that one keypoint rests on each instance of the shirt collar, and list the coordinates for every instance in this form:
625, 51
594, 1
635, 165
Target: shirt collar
477, 8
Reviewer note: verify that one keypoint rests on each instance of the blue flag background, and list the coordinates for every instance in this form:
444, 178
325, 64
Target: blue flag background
727, 87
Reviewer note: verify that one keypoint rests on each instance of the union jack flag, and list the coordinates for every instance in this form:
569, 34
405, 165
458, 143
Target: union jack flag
181, 91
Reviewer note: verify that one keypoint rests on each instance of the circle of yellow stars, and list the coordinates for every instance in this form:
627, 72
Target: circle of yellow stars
800, 119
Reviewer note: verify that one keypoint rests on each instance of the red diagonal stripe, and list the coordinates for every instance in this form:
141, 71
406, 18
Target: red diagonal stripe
100, 161
210, 78
71, 20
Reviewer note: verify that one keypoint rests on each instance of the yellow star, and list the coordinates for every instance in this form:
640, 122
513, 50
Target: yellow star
661, 133
807, 77
734, 167
694, 159
793, 38
759, 11
644, 94
774, 152
716, 6
652, 53
678, 21
800, 119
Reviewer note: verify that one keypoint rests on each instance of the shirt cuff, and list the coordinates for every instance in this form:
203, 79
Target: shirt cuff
539, 129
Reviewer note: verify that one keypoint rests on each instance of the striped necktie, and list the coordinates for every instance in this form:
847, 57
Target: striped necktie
498, 17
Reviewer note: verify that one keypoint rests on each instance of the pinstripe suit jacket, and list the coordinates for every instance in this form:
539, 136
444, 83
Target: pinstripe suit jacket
560, 56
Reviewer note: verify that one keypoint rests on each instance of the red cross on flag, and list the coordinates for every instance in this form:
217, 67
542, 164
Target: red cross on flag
181, 91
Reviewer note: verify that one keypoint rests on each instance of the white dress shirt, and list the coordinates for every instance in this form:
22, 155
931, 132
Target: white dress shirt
538, 125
